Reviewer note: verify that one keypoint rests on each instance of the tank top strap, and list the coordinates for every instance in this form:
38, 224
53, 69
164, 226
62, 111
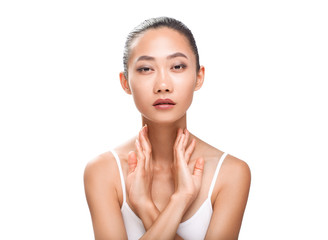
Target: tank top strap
121, 174
216, 174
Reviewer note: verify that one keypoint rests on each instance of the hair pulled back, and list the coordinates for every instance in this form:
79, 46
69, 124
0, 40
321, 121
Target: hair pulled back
155, 23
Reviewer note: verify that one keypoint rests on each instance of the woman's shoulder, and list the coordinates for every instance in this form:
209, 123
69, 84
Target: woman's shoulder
105, 165
210, 153
101, 160
233, 170
235, 173
213, 155
101, 167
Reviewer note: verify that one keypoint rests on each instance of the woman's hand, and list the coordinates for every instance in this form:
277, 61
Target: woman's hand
139, 179
187, 184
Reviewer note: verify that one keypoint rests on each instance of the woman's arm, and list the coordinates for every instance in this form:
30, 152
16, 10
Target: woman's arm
99, 182
230, 203
187, 186
166, 224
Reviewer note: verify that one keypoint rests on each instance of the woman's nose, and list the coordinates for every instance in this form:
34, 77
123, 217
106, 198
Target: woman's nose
163, 88
163, 84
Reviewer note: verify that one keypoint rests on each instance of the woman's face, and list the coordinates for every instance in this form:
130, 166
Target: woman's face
162, 75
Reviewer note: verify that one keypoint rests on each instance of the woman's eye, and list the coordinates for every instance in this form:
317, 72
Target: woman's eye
144, 69
179, 67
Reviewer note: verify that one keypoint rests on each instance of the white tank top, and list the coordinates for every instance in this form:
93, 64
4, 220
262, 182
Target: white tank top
194, 228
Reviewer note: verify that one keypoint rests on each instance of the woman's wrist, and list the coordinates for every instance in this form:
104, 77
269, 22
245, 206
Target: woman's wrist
148, 213
182, 201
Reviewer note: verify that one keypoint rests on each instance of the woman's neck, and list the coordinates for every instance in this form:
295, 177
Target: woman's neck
162, 138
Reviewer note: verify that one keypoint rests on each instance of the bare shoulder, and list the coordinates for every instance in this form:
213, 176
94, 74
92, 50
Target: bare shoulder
101, 167
229, 199
101, 176
207, 151
235, 171
104, 197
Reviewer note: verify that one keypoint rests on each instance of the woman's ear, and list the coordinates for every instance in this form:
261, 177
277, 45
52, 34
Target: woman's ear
125, 83
200, 78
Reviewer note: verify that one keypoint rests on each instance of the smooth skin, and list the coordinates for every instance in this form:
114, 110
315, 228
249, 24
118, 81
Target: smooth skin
167, 170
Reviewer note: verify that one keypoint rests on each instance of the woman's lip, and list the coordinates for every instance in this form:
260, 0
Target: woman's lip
161, 102
164, 106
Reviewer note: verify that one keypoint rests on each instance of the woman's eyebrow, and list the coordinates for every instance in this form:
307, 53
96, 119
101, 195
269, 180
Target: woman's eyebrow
150, 58
177, 54
146, 58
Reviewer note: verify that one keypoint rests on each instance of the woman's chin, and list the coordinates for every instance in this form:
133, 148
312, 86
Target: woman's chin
165, 119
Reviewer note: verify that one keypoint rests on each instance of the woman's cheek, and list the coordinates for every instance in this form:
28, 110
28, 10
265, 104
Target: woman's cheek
186, 89
140, 104
139, 93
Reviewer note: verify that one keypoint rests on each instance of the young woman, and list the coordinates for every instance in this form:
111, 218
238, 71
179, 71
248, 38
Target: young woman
165, 183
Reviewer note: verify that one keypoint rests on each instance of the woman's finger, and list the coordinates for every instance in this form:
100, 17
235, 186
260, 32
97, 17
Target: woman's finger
186, 139
199, 168
132, 161
180, 149
175, 146
146, 148
180, 141
177, 138
146, 135
190, 150
144, 141
140, 155
150, 164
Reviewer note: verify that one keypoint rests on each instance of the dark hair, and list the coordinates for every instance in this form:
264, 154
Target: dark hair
154, 23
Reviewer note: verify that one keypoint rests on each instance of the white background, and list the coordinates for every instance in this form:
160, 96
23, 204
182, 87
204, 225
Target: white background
264, 100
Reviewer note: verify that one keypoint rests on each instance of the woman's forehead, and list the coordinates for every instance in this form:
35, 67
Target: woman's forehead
160, 42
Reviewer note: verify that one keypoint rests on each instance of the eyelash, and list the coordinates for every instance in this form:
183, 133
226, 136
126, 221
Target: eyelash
144, 69
148, 69
181, 66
